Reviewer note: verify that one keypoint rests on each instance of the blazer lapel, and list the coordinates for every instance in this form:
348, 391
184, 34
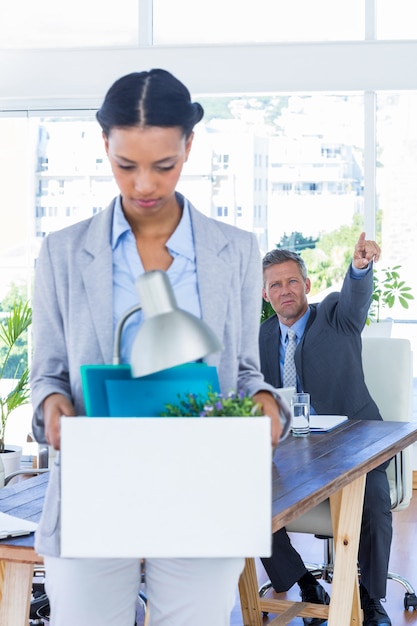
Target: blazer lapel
214, 276
97, 275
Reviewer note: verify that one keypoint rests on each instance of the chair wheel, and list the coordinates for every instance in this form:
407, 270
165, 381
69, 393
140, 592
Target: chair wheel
37, 603
410, 601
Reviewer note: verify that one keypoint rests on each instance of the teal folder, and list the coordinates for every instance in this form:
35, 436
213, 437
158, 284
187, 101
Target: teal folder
110, 390
93, 380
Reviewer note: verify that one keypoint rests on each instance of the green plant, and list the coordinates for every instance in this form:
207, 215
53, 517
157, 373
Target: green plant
388, 290
213, 405
267, 310
12, 329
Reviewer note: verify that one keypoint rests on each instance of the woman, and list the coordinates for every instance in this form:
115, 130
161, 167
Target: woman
85, 281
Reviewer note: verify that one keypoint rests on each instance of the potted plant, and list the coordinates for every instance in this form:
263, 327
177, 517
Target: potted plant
13, 369
213, 404
389, 289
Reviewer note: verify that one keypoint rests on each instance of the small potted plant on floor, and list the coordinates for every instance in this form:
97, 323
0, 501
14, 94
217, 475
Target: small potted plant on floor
14, 376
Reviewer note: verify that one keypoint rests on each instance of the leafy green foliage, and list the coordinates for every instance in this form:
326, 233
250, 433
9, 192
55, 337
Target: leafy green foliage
212, 405
234, 107
389, 290
327, 257
17, 292
17, 360
216, 108
12, 328
328, 262
296, 242
267, 310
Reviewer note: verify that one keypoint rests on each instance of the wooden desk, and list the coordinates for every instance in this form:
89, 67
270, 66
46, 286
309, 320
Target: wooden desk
306, 471
17, 556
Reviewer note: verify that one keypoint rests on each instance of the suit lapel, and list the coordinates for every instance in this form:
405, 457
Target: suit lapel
272, 345
299, 351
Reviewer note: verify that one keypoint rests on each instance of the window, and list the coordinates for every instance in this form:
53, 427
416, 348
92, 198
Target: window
396, 20
51, 24
397, 188
264, 21
313, 184
319, 112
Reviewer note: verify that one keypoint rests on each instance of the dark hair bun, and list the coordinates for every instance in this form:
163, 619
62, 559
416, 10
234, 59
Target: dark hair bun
153, 98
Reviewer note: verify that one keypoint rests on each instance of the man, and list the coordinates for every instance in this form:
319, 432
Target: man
328, 363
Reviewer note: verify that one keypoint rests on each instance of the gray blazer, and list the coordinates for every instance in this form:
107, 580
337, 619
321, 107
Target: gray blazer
73, 319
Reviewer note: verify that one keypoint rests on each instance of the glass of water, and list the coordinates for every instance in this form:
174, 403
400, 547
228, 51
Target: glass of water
300, 414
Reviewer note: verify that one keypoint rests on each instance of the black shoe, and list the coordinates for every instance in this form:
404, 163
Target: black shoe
317, 595
373, 612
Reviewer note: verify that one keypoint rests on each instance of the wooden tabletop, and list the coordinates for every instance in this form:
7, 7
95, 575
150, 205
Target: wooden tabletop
23, 499
307, 470
296, 488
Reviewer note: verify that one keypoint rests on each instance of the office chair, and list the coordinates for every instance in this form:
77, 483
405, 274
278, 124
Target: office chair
388, 370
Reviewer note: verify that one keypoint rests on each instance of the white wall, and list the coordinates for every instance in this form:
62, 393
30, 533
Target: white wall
62, 78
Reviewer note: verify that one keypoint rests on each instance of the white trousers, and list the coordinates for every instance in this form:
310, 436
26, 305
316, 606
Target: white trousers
103, 592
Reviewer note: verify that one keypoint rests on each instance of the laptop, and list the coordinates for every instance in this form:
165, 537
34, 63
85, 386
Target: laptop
12, 526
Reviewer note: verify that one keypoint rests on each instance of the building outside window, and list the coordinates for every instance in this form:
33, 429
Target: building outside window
309, 134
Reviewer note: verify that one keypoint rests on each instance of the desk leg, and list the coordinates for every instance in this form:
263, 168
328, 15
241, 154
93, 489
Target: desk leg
249, 597
16, 591
346, 509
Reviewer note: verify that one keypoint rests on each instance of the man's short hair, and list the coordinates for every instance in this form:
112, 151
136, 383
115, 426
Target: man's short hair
277, 256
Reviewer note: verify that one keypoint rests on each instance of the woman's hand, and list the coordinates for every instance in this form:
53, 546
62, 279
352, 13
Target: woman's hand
54, 407
270, 407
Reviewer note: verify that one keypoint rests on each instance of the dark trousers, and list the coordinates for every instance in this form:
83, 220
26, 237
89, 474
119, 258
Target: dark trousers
286, 566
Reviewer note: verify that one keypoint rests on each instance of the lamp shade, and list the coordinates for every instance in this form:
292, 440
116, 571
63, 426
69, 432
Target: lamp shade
168, 335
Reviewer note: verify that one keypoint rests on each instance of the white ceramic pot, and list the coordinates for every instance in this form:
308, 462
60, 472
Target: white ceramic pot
11, 458
383, 328
1, 474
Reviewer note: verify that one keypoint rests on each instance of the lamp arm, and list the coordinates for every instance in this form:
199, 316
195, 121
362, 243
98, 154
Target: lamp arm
119, 330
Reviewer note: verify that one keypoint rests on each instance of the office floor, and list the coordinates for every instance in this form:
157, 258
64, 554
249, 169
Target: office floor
403, 561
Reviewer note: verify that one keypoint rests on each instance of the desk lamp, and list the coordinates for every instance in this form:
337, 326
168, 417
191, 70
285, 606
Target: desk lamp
168, 336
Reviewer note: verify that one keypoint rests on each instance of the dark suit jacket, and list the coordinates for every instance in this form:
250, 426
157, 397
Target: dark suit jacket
329, 356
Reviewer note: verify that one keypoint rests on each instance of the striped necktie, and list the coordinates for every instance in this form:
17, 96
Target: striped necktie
290, 373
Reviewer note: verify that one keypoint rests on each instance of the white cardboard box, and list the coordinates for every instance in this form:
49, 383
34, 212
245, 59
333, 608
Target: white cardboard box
166, 487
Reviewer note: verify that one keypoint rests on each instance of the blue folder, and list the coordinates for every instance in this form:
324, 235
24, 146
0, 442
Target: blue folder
111, 391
